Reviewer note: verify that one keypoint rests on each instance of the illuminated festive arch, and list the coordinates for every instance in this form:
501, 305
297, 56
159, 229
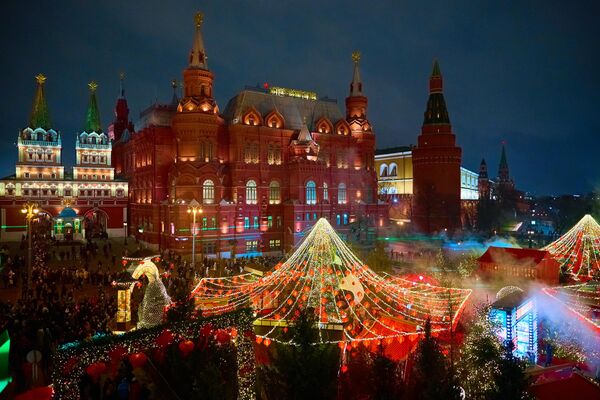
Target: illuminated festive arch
578, 250
352, 304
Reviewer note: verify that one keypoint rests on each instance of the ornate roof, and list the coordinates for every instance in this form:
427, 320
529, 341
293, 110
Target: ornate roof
293, 109
92, 119
40, 116
436, 112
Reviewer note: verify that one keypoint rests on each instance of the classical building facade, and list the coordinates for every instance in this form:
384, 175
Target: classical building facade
262, 170
89, 201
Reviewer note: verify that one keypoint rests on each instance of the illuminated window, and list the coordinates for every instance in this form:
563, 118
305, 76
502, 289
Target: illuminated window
26, 174
251, 245
246, 222
383, 170
274, 193
337, 219
274, 243
325, 191
251, 195
341, 193
255, 224
208, 192
311, 192
270, 221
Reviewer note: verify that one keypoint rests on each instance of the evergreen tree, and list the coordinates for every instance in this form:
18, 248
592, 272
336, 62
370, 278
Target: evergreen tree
432, 377
511, 381
479, 357
303, 370
387, 381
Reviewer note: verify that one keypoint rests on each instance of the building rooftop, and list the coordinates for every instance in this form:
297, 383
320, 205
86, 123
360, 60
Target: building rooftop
293, 109
513, 254
391, 150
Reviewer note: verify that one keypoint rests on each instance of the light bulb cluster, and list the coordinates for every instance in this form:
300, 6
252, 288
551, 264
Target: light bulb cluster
581, 299
346, 295
578, 250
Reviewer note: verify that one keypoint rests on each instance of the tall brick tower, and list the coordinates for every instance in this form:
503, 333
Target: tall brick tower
436, 166
484, 181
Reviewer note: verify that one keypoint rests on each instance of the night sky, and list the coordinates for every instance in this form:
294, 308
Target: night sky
527, 74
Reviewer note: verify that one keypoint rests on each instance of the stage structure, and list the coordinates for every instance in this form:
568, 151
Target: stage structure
352, 303
515, 311
578, 250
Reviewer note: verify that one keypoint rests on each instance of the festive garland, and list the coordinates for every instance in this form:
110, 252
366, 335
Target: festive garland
348, 297
72, 359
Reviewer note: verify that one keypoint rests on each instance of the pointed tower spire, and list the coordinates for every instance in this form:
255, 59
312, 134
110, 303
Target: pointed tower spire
436, 112
121, 87
174, 99
198, 54
304, 135
40, 116
356, 84
92, 120
483, 169
503, 172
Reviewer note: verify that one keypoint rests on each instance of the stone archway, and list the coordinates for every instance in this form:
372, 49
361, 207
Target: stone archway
95, 222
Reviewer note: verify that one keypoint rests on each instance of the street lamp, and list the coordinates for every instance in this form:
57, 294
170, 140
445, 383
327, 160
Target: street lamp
530, 233
125, 229
194, 209
30, 210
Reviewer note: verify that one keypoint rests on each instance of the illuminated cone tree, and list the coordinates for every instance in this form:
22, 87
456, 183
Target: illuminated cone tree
351, 302
578, 250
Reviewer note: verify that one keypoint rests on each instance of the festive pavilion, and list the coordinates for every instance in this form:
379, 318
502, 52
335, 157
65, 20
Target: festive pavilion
352, 304
578, 250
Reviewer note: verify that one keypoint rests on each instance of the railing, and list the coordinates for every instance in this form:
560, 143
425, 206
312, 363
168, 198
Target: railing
38, 143
98, 146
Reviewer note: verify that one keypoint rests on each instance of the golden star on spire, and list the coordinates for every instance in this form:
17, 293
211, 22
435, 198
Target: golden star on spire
174, 83
122, 75
40, 78
356, 56
93, 86
198, 18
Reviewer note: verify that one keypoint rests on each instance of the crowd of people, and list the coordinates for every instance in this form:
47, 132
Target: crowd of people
72, 298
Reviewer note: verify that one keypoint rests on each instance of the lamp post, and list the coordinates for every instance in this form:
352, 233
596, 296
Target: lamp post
194, 209
125, 229
530, 233
30, 210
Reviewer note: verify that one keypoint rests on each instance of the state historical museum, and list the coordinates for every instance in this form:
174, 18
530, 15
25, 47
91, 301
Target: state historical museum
262, 171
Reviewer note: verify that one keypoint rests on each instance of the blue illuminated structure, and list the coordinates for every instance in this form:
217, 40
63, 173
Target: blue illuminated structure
516, 315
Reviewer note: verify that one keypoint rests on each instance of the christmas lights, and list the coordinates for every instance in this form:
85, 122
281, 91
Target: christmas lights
578, 250
72, 359
352, 304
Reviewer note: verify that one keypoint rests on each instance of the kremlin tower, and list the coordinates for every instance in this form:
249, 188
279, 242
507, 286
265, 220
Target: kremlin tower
484, 181
436, 164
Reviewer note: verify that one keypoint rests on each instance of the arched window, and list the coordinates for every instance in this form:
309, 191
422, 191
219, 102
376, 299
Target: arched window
251, 194
383, 170
311, 192
325, 191
274, 193
342, 193
208, 192
393, 169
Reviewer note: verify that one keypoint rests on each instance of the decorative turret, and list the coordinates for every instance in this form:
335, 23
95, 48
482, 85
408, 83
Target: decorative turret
40, 116
92, 119
436, 165
483, 182
356, 102
121, 121
304, 146
39, 145
483, 172
197, 79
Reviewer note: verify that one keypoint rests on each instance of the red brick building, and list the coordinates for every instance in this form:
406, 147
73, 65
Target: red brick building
519, 264
436, 166
87, 202
267, 167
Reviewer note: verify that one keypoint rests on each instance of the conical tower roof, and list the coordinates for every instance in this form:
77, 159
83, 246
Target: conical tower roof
347, 297
40, 116
503, 161
198, 58
356, 84
578, 250
436, 112
92, 119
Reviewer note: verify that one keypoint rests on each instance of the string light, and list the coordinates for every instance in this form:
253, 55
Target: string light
346, 295
578, 250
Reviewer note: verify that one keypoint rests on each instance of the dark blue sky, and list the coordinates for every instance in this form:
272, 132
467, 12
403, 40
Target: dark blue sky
523, 72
